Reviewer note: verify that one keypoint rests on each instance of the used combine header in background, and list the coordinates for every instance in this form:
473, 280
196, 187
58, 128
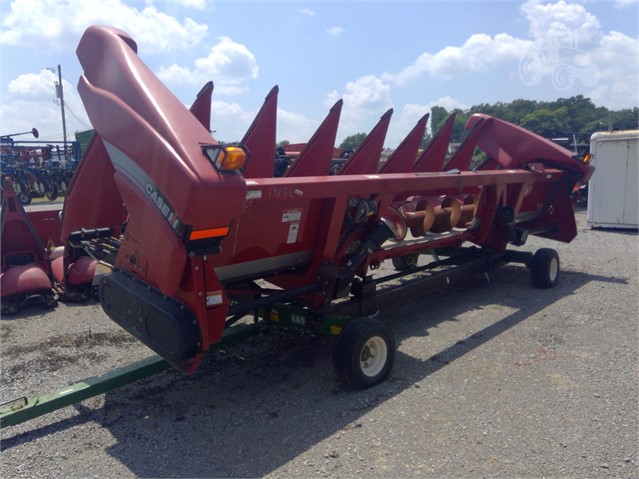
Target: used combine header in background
197, 234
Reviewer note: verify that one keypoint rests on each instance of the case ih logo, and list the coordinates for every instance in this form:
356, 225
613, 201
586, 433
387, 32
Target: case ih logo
162, 205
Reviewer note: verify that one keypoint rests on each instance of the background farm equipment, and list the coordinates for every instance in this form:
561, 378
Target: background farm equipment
38, 170
26, 269
36, 268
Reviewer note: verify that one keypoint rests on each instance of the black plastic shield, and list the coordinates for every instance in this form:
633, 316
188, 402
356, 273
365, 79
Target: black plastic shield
163, 324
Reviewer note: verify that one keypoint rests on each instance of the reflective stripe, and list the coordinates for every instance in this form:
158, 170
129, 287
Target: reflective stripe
129, 168
208, 233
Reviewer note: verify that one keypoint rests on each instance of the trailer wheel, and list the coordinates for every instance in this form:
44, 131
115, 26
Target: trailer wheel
403, 263
545, 268
364, 353
51, 191
23, 192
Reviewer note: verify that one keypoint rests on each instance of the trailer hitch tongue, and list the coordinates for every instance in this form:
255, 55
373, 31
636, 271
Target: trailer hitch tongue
14, 404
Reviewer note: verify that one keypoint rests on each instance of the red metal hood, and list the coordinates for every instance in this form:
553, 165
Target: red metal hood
150, 136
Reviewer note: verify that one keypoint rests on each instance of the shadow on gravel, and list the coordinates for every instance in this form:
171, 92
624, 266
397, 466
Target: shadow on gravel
254, 407
40, 311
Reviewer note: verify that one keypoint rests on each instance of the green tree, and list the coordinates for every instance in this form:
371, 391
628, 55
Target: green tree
438, 115
459, 126
625, 119
545, 122
425, 140
575, 117
353, 141
284, 143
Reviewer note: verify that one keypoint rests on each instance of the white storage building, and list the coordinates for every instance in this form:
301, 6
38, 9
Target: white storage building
613, 200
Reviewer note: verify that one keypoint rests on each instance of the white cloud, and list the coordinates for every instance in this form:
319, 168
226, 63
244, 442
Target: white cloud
477, 53
616, 58
33, 85
294, 119
225, 109
410, 113
564, 37
31, 21
307, 11
568, 37
195, 4
625, 3
229, 64
366, 95
230, 121
294, 127
364, 99
561, 23
335, 31
449, 103
30, 102
231, 61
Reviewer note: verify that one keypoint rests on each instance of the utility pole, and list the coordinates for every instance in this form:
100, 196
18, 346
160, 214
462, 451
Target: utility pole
59, 93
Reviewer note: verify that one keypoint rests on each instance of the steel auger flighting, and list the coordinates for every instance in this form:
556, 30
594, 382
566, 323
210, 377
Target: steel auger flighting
202, 233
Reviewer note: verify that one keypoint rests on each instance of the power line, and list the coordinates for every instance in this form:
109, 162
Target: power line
88, 127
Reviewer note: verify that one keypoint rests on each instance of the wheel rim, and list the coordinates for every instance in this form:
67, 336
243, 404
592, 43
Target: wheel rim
553, 269
373, 357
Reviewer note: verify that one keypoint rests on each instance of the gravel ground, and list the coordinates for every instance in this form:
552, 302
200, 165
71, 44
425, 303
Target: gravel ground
491, 379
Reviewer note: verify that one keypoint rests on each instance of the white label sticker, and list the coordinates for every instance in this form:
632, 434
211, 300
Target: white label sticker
214, 298
253, 194
292, 233
291, 215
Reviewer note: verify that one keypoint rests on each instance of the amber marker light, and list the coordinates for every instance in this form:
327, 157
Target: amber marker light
226, 158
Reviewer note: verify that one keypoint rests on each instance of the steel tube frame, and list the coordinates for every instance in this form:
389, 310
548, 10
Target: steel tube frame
24, 409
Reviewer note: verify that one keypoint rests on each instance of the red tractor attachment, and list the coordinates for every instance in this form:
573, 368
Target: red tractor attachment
198, 234
26, 269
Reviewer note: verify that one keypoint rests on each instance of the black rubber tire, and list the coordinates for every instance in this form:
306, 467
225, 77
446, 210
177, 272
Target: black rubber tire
51, 191
40, 187
23, 192
544, 268
9, 308
403, 263
364, 353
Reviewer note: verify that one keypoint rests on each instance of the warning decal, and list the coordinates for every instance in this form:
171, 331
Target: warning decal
291, 215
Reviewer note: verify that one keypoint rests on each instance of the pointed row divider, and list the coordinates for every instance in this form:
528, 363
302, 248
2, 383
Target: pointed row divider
201, 107
365, 159
463, 156
403, 158
433, 157
315, 159
260, 140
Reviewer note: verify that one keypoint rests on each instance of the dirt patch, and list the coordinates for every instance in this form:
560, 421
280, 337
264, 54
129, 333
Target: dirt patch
86, 340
